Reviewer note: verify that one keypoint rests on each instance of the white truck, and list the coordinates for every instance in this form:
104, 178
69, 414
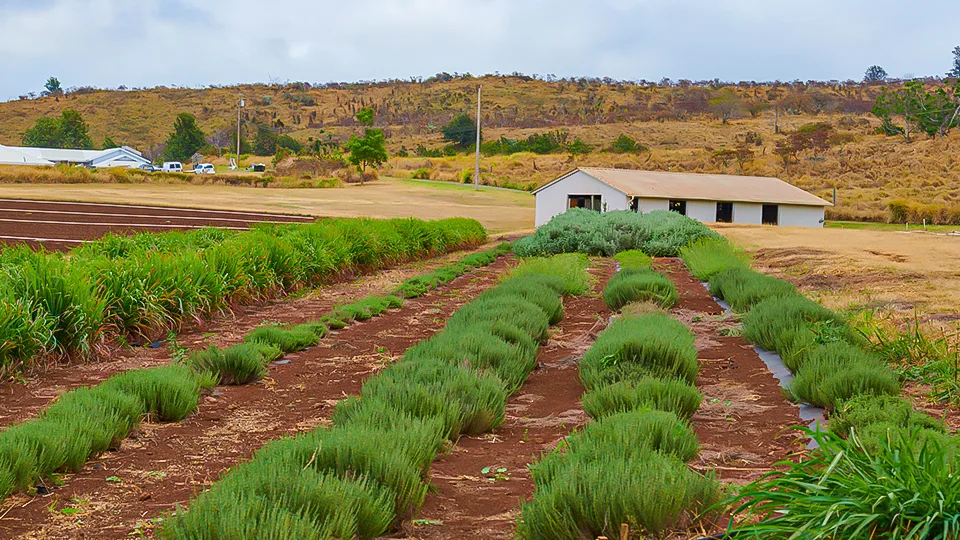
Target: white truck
172, 166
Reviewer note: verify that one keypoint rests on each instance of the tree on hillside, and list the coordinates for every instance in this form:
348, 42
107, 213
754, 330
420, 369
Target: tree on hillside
73, 131
369, 150
726, 104
44, 134
108, 143
244, 145
68, 131
52, 88
364, 117
461, 131
955, 71
874, 74
289, 143
265, 141
219, 139
933, 112
625, 144
185, 140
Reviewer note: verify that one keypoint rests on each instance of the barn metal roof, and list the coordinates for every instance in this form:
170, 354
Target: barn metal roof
695, 186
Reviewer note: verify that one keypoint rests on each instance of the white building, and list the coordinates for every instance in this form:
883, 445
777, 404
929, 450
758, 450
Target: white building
709, 198
101, 159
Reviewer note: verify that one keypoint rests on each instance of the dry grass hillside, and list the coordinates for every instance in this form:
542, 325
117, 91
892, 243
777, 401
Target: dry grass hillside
679, 125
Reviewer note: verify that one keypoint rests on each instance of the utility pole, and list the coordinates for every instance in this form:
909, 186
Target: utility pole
476, 172
239, 108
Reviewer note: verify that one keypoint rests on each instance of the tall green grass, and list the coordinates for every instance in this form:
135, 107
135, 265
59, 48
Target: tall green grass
742, 288
633, 259
709, 256
144, 285
909, 488
672, 395
369, 471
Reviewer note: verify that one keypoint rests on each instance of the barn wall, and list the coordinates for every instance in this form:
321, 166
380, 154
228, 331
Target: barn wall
794, 215
703, 211
552, 200
748, 213
649, 205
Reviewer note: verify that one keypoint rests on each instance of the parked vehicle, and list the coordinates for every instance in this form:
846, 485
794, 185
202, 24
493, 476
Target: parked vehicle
259, 167
172, 166
149, 168
204, 168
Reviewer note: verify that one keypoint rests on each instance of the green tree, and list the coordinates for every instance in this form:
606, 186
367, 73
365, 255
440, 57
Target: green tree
185, 140
933, 112
874, 74
244, 145
625, 144
73, 131
579, 148
52, 87
365, 117
369, 150
45, 133
288, 142
108, 143
265, 141
726, 104
955, 71
461, 131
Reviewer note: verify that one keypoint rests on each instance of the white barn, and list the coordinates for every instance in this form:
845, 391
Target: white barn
709, 198
100, 159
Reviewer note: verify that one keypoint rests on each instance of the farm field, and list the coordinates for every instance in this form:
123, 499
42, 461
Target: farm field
498, 210
479, 393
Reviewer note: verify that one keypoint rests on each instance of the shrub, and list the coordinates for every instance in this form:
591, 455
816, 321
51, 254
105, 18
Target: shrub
640, 285
287, 340
659, 233
238, 364
570, 269
862, 411
907, 489
742, 288
633, 348
781, 321
839, 371
422, 173
669, 395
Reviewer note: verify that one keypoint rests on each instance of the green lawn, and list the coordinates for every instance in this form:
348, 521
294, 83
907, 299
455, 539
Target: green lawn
862, 225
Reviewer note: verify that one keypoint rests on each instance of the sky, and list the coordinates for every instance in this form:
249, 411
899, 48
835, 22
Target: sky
145, 43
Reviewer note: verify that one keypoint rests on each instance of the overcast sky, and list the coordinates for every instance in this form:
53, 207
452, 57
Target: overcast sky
108, 43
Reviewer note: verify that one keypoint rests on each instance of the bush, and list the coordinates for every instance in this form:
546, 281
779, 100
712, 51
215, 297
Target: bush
669, 395
658, 234
742, 288
640, 285
839, 371
422, 173
633, 259
708, 256
634, 348
570, 269
862, 411
286, 340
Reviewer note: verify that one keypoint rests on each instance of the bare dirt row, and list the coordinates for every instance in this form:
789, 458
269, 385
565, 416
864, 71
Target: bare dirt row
120, 493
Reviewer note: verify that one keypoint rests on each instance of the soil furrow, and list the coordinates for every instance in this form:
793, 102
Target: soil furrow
470, 504
23, 399
744, 423
165, 464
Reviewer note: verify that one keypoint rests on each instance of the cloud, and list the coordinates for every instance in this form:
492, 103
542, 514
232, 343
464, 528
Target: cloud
107, 43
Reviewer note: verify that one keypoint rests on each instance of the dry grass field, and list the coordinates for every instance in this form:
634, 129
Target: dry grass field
498, 210
899, 274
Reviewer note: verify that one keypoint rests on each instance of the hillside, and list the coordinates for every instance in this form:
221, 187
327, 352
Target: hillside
679, 125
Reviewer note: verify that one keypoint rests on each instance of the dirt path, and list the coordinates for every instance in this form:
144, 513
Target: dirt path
164, 464
466, 504
24, 399
744, 422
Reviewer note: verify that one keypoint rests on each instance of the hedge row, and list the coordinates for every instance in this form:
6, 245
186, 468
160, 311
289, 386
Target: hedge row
629, 465
86, 422
54, 304
359, 478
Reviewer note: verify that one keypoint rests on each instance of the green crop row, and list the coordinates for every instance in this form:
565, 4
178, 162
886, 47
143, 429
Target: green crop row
896, 474
247, 362
86, 422
89, 421
629, 465
359, 478
640, 285
658, 234
140, 286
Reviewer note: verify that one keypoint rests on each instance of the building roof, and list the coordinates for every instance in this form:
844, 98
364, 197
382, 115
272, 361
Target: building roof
695, 186
27, 155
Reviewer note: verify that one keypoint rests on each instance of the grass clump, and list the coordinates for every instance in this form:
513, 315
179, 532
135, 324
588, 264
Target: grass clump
238, 364
839, 371
569, 269
633, 348
908, 488
861, 411
633, 259
709, 256
670, 395
421, 285
640, 285
285, 339
743, 288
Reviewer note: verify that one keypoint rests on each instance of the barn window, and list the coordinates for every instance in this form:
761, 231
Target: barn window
679, 207
770, 215
724, 212
590, 202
